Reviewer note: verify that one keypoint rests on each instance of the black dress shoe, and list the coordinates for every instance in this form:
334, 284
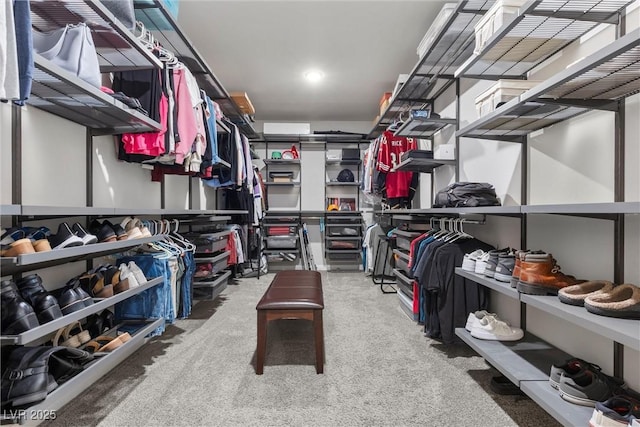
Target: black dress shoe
64, 238
121, 234
69, 300
45, 305
103, 232
76, 286
17, 315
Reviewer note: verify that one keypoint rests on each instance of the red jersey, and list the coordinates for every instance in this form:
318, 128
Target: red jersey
389, 153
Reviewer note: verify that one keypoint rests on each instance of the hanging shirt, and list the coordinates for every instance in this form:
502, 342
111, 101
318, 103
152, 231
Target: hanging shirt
398, 183
9, 80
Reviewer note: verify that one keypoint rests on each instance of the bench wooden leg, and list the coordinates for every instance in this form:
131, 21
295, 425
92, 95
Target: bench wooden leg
262, 341
319, 340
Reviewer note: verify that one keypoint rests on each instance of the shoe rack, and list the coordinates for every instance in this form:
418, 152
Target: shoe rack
601, 81
61, 93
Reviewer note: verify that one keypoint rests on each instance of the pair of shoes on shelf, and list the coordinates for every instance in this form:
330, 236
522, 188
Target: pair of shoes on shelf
67, 237
30, 373
622, 410
133, 274
538, 273
487, 326
107, 343
604, 298
107, 232
71, 335
135, 228
26, 240
103, 282
17, 315
584, 383
44, 304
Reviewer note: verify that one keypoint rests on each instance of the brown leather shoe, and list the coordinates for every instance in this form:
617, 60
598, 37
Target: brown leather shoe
19, 247
520, 256
541, 275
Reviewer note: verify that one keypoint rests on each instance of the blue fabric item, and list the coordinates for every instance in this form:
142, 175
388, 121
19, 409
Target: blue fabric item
172, 6
151, 303
213, 130
186, 290
418, 255
24, 45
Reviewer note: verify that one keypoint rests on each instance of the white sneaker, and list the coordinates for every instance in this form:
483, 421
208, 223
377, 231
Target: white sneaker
125, 273
474, 318
131, 227
481, 263
469, 260
137, 272
491, 328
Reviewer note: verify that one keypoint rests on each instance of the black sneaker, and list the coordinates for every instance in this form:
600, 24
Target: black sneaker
589, 386
504, 269
87, 238
103, 232
64, 238
121, 234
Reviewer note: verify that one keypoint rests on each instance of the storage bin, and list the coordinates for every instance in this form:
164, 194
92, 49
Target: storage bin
404, 238
402, 262
214, 264
211, 289
499, 14
343, 230
343, 244
435, 28
503, 91
282, 242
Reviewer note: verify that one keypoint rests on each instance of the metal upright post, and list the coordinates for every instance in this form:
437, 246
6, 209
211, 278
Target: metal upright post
524, 199
16, 158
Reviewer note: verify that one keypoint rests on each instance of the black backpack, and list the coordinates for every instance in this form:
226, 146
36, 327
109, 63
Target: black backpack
466, 194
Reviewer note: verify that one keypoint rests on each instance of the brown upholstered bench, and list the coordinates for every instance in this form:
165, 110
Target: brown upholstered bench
292, 295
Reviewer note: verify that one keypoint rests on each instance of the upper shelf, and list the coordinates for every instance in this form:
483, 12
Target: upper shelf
539, 30
156, 18
423, 128
595, 82
435, 70
68, 211
117, 47
421, 165
282, 161
347, 138
59, 92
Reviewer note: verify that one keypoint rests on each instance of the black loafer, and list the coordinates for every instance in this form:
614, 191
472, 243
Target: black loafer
17, 315
121, 234
103, 232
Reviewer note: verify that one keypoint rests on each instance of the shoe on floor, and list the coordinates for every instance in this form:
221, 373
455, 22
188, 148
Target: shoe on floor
469, 260
474, 318
575, 295
622, 301
619, 411
491, 328
64, 238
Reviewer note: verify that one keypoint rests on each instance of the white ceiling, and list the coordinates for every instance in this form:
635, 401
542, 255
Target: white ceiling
264, 47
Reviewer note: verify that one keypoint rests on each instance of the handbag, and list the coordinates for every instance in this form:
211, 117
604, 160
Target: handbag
72, 49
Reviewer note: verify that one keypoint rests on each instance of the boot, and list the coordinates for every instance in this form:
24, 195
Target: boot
17, 315
32, 372
541, 275
44, 304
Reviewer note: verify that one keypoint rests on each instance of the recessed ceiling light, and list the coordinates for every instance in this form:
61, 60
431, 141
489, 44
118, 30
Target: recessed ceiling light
314, 76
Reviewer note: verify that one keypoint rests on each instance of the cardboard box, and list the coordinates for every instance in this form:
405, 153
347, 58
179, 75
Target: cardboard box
287, 128
243, 102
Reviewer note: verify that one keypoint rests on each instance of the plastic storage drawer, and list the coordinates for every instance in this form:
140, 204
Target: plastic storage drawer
282, 242
209, 290
344, 230
404, 283
210, 242
218, 262
402, 262
404, 238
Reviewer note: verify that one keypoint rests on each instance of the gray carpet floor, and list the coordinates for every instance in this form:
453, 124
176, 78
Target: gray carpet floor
379, 370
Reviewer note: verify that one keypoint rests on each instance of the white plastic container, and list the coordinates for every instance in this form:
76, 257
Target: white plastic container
499, 14
502, 91
435, 28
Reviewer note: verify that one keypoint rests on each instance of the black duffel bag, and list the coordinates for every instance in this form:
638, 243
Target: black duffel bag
466, 194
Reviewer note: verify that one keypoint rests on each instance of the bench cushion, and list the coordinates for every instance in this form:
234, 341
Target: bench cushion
293, 290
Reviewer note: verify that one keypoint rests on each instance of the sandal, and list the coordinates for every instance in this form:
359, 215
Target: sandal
106, 344
71, 340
